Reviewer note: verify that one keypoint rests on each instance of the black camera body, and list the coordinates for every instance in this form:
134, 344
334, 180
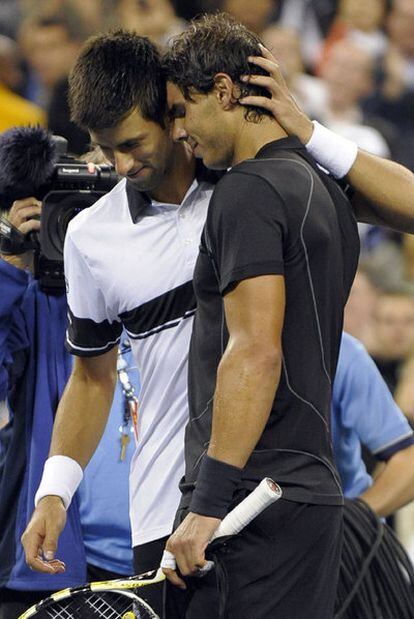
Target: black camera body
65, 185
74, 186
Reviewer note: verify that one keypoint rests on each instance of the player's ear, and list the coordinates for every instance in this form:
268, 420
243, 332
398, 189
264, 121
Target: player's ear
225, 90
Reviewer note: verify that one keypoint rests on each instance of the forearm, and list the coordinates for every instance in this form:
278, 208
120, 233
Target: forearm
384, 189
388, 186
246, 387
81, 417
394, 487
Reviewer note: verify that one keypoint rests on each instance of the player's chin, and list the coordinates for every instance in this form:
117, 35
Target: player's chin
146, 182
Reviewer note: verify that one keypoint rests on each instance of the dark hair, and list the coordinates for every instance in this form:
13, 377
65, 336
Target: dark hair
214, 44
115, 73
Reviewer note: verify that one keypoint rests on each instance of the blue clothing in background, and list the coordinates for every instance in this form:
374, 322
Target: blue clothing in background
363, 411
34, 368
104, 494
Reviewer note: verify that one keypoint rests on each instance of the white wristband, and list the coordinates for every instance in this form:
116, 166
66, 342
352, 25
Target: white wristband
61, 477
332, 151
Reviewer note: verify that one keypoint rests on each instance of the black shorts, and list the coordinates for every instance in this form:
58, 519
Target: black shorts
147, 557
284, 565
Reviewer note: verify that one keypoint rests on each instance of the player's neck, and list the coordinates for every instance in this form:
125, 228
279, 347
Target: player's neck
253, 136
178, 178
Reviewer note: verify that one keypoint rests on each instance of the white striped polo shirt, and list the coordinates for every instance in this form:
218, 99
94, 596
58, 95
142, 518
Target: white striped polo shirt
129, 262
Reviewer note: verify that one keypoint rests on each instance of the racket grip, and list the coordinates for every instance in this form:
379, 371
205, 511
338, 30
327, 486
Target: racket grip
266, 493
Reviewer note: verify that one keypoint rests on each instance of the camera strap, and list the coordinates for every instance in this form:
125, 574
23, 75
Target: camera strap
12, 241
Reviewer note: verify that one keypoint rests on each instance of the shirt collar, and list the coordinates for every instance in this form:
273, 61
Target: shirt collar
138, 201
289, 143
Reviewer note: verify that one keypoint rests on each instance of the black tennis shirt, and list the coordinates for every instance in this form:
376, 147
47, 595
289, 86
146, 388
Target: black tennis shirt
277, 214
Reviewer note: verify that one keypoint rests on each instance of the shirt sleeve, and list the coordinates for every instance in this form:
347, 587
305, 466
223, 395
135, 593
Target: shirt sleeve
366, 404
246, 229
93, 329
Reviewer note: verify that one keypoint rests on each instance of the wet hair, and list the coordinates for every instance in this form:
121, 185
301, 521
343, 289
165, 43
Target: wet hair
215, 44
114, 74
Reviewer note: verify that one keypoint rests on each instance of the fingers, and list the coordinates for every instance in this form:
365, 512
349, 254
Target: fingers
174, 578
264, 81
49, 545
32, 542
29, 226
24, 213
47, 567
263, 102
267, 53
41, 535
188, 556
270, 66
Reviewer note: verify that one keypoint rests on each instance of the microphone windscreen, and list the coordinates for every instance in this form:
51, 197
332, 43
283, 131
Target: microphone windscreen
27, 159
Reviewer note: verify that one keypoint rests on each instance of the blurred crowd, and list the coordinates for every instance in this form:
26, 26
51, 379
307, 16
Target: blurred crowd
349, 63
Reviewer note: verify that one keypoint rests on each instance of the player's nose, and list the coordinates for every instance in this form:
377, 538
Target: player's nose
178, 131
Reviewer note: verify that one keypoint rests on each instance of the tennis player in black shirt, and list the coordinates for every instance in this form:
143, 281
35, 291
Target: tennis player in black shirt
277, 258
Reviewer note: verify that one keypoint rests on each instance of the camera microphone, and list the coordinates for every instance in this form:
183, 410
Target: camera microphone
27, 160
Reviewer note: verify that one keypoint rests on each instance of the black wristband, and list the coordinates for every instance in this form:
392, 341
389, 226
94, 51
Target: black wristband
215, 486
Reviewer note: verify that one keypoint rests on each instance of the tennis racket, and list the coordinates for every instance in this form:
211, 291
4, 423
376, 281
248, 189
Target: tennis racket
118, 599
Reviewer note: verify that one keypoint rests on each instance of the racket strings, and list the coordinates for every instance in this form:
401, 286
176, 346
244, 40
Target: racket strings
102, 605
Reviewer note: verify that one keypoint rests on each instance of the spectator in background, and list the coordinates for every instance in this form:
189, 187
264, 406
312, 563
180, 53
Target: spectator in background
393, 98
14, 109
254, 15
335, 98
347, 79
360, 22
284, 43
155, 19
311, 21
34, 368
50, 42
365, 414
394, 334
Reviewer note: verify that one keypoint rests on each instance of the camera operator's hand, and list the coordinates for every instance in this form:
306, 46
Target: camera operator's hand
41, 536
25, 216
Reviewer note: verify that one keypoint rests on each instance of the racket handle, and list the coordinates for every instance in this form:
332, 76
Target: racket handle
266, 493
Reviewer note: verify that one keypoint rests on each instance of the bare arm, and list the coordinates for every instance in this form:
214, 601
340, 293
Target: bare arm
387, 188
247, 379
79, 424
249, 372
394, 487
84, 408
389, 191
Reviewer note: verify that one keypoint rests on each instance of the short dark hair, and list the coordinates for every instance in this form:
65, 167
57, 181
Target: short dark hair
214, 44
115, 73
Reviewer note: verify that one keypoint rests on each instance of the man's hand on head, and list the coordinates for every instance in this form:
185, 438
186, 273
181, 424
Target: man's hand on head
25, 216
281, 103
